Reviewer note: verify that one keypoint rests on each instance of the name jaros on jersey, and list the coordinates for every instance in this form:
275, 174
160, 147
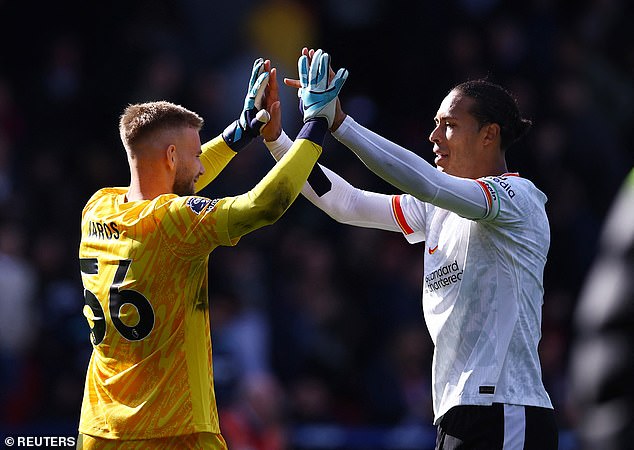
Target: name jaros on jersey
443, 276
102, 230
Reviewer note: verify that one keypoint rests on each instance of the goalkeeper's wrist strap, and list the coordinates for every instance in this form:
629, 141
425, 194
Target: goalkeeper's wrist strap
235, 137
314, 130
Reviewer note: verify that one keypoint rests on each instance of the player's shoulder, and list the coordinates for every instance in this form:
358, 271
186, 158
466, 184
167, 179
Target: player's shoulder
511, 196
193, 205
512, 185
104, 195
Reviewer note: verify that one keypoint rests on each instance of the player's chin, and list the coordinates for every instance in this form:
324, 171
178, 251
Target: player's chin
184, 190
441, 163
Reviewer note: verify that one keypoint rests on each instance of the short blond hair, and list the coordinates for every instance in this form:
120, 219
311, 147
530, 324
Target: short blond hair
141, 121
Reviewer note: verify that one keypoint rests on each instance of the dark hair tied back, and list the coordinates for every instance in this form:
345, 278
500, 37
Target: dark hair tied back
494, 104
523, 127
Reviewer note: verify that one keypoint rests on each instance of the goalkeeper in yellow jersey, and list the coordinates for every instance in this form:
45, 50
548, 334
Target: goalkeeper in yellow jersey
144, 254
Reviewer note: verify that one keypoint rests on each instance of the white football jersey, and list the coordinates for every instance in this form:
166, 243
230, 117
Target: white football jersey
483, 293
482, 282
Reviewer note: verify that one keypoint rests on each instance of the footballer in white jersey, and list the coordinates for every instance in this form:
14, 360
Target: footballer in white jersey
487, 237
497, 259
482, 293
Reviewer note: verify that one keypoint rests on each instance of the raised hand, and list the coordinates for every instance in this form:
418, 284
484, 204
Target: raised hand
339, 114
271, 102
318, 89
252, 118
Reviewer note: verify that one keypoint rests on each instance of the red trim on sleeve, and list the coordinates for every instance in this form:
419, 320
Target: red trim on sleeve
399, 216
485, 188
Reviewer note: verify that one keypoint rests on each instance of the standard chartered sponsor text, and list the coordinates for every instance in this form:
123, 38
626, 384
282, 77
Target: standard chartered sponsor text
443, 276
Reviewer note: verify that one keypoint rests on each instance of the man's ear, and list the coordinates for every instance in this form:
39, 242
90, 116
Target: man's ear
171, 157
491, 133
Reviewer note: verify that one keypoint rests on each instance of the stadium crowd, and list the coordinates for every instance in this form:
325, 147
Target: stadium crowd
313, 322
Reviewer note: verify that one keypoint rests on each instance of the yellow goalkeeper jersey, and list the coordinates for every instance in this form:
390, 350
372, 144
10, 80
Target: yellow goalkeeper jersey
144, 271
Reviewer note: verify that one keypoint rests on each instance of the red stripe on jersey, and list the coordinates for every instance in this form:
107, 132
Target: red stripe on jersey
511, 174
399, 216
486, 193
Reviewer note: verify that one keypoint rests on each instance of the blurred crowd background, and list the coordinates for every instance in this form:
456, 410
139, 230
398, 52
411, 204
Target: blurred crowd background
318, 335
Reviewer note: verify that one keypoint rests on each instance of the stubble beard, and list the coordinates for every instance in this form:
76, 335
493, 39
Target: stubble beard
183, 186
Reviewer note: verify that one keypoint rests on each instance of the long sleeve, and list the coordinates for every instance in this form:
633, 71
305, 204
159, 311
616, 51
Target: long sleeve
411, 173
215, 156
342, 201
271, 197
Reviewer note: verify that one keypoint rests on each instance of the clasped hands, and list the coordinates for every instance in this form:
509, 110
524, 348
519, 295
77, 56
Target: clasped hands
318, 89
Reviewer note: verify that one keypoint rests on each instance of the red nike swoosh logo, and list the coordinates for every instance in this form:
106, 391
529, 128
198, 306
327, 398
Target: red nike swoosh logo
432, 250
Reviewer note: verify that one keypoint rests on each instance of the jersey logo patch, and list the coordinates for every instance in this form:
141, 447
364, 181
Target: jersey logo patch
197, 204
432, 250
486, 390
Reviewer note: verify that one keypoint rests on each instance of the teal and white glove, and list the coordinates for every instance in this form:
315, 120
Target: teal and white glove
252, 118
317, 96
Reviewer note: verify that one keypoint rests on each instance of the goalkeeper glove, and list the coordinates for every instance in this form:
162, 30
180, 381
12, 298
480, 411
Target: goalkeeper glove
317, 96
252, 118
